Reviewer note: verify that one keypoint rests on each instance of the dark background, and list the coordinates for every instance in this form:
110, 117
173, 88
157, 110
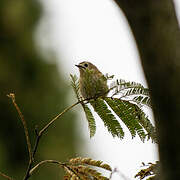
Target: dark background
40, 92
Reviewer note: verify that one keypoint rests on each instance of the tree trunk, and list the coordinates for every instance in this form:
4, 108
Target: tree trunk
156, 31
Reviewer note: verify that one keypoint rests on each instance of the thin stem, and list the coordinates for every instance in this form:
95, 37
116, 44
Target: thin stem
27, 175
5, 176
63, 165
41, 163
32, 153
58, 116
12, 96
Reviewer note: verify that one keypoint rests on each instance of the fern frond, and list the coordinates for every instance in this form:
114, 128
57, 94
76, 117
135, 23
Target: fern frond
83, 168
127, 84
88, 113
151, 171
136, 91
126, 112
108, 118
89, 173
67, 177
143, 100
75, 85
127, 108
90, 119
69, 172
91, 162
147, 125
128, 88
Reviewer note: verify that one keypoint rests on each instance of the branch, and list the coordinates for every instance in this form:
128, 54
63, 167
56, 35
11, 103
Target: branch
41, 163
41, 132
49, 124
57, 117
63, 165
5, 176
12, 96
30, 170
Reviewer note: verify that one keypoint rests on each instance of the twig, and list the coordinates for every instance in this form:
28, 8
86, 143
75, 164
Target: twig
49, 124
41, 163
5, 176
53, 162
58, 116
12, 96
27, 175
39, 134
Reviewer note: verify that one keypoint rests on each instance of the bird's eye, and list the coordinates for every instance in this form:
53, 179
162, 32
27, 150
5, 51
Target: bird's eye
86, 65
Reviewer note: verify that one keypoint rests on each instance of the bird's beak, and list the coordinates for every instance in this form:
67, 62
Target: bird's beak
79, 66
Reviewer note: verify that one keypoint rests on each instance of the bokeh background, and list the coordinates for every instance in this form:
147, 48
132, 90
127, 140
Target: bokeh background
40, 42
41, 92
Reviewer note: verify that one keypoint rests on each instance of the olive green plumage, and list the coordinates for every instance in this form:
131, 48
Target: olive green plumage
92, 82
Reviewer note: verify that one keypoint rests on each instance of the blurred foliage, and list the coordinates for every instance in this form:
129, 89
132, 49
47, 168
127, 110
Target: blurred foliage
85, 169
40, 92
149, 171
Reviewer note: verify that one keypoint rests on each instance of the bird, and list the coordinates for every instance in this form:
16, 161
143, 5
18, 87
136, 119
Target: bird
92, 82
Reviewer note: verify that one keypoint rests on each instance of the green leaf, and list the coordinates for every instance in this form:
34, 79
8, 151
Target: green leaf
142, 100
88, 113
130, 113
108, 118
90, 119
136, 90
126, 112
147, 125
75, 85
128, 88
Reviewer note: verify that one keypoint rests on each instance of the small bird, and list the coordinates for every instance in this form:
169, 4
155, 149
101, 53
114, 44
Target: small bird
92, 82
